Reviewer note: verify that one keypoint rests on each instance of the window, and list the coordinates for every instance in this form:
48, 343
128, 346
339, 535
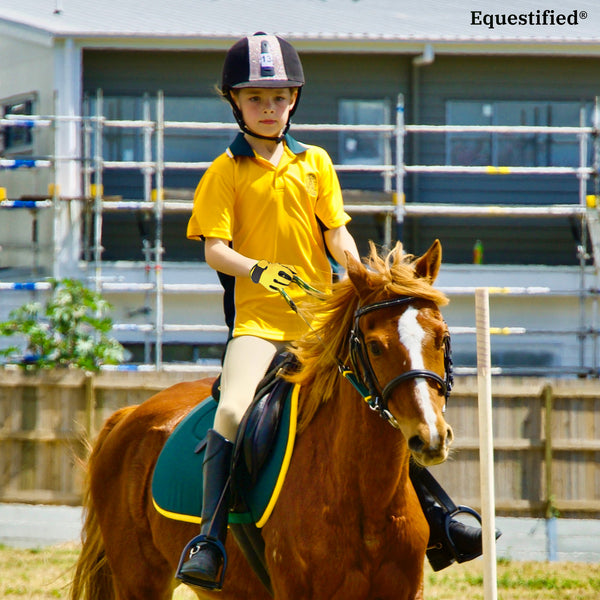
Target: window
18, 139
125, 144
528, 150
193, 145
363, 148
181, 145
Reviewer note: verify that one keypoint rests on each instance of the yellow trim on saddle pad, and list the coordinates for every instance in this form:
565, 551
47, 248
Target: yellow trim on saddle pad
286, 458
176, 516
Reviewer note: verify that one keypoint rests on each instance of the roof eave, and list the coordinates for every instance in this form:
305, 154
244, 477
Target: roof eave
26, 33
312, 42
355, 44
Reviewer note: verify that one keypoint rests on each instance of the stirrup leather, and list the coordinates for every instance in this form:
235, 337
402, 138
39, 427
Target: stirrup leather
188, 551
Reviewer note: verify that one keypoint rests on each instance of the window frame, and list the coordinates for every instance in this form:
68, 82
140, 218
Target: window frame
18, 140
373, 138
542, 145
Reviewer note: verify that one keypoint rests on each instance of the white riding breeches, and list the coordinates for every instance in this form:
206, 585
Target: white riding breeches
246, 361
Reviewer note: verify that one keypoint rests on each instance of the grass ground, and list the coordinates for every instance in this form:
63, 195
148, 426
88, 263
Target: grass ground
43, 574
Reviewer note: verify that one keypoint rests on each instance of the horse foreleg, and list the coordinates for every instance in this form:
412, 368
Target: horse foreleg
170, 537
136, 577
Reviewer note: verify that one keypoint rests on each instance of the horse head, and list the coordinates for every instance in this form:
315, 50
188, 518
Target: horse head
400, 347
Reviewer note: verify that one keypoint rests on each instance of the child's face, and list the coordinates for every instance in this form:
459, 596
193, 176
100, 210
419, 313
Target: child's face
266, 110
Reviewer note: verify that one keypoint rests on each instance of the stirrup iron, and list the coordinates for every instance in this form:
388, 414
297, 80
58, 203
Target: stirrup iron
188, 552
459, 556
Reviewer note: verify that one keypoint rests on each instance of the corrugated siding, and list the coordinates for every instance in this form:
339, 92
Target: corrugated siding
136, 72
509, 241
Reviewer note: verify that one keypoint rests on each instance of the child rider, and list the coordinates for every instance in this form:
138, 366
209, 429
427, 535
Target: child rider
268, 208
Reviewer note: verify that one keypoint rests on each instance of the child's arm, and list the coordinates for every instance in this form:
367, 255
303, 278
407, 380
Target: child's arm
221, 257
339, 240
225, 259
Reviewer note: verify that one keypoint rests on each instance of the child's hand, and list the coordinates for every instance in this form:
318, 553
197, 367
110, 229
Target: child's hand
272, 276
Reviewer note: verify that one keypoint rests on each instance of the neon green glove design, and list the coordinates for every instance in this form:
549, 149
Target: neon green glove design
272, 276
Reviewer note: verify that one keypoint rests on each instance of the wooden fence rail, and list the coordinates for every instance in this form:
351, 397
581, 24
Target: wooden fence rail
546, 438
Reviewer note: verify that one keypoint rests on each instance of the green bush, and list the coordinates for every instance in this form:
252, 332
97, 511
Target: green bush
71, 330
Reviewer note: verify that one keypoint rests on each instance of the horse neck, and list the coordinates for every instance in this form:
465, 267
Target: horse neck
366, 452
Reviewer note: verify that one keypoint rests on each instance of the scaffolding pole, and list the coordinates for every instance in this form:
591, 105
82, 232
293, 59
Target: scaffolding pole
158, 248
393, 173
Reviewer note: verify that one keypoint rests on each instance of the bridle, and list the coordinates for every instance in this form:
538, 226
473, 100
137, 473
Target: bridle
361, 375
363, 378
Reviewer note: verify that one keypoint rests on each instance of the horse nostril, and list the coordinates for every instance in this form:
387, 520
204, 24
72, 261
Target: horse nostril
416, 444
449, 435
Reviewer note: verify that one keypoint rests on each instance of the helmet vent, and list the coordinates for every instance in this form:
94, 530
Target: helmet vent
266, 59
267, 68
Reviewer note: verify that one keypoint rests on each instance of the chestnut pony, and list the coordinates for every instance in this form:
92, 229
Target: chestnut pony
347, 524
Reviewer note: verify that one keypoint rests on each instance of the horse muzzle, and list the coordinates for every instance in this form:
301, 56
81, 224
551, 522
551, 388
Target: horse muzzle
430, 448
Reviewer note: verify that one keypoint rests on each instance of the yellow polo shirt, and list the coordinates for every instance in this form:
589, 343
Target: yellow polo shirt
273, 213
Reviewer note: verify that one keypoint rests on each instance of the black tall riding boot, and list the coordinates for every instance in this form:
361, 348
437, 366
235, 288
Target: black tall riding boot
449, 539
204, 559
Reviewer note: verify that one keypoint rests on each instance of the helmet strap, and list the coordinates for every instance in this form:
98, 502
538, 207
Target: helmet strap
237, 113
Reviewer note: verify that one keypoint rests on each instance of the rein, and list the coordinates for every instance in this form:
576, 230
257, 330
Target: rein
362, 376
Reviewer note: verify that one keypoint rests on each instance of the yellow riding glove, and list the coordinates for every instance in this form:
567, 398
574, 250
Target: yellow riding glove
272, 276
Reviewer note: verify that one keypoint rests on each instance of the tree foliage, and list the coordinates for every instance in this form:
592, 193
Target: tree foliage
72, 329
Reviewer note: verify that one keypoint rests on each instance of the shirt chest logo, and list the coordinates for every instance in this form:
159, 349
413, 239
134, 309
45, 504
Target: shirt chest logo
310, 181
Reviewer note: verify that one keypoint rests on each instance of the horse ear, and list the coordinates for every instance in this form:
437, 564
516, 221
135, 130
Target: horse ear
428, 265
358, 274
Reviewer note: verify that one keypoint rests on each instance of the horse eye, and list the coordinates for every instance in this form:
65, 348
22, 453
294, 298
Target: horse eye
374, 348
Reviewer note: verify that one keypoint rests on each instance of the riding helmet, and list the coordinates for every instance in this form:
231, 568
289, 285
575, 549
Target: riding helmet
261, 61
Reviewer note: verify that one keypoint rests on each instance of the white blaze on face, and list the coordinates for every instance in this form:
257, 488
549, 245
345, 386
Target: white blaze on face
411, 337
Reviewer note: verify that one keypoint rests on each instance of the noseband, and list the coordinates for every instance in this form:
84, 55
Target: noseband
363, 376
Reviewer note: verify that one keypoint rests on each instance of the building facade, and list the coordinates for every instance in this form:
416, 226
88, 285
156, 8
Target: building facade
449, 67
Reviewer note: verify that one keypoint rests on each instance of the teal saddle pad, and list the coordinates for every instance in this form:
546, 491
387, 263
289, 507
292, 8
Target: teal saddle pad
177, 479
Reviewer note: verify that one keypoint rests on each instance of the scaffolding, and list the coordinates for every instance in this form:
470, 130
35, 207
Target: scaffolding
394, 209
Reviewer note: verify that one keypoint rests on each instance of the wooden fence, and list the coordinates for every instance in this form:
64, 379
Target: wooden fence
546, 447
47, 421
546, 438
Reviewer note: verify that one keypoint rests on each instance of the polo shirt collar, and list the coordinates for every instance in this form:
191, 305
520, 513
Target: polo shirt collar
241, 147
294, 145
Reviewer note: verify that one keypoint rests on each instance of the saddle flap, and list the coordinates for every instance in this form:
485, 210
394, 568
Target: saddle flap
260, 426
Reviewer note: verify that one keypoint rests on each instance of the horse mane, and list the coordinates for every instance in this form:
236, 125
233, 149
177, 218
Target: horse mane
332, 316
